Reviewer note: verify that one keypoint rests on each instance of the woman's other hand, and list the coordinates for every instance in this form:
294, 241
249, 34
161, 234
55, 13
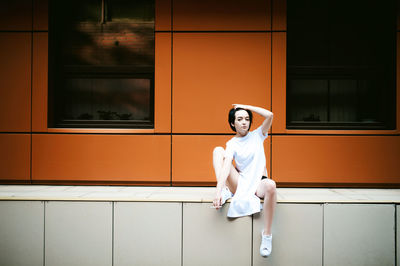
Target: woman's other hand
217, 202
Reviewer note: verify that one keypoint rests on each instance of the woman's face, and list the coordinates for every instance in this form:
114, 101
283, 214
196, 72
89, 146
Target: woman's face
242, 122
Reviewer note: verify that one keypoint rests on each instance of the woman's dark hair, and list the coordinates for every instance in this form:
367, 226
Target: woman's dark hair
231, 117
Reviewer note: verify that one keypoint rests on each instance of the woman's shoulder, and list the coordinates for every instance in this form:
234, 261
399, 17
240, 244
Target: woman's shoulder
258, 131
231, 141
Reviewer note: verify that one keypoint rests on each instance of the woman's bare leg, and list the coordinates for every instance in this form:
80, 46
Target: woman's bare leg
233, 178
267, 190
218, 161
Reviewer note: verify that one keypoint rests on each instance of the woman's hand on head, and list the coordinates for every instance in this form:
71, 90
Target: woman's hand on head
236, 105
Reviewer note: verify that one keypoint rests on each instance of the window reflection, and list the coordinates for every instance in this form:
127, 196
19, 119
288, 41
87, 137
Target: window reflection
102, 63
107, 99
341, 64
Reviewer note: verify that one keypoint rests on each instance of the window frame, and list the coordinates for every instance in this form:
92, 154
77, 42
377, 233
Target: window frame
336, 73
55, 119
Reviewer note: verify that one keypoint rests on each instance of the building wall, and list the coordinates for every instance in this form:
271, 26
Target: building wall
100, 233
204, 62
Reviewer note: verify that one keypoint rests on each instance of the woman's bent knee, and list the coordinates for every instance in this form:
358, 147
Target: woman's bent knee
270, 186
218, 150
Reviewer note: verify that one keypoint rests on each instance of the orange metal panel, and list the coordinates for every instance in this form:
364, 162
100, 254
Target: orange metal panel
15, 82
336, 159
15, 157
279, 15
162, 99
192, 158
212, 71
111, 158
347, 132
40, 14
100, 130
279, 81
16, 15
39, 82
222, 15
163, 15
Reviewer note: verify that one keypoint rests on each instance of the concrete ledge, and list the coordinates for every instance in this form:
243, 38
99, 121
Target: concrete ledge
78, 225
188, 194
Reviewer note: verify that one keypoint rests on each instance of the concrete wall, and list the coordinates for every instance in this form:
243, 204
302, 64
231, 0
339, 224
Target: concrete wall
179, 233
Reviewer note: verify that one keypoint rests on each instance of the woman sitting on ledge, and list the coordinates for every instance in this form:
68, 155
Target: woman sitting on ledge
248, 181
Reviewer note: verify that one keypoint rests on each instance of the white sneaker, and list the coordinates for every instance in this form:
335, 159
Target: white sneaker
266, 245
226, 194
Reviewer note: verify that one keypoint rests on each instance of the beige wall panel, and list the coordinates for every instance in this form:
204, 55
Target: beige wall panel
22, 233
297, 232
78, 233
359, 234
210, 238
398, 234
147, 233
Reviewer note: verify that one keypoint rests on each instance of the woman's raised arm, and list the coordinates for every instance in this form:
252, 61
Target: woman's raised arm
268, 115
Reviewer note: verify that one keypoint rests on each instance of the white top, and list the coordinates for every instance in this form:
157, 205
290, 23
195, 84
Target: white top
249, 156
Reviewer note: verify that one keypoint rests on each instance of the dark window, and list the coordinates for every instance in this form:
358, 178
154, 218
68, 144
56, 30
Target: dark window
101, 68
341, 62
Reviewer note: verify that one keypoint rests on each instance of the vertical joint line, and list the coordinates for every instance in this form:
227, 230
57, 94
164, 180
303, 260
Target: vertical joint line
112, 232
182, 233
271, 71
323, 234
172, 71
395, 235
252, 239
170, 162
44, 232
31, 93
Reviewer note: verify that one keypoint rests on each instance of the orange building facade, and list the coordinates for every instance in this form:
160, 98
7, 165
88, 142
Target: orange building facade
205, 61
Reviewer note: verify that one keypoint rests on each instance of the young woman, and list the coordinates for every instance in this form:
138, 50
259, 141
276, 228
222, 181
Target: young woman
248, 181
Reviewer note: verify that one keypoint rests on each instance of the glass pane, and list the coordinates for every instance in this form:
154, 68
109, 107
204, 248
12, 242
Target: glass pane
120, 33
337, 43
308, 100
343, 101
101, 71
74, 10
107, 99
139, 11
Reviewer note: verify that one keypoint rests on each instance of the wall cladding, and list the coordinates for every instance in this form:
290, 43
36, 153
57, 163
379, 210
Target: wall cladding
208, 55
87, 233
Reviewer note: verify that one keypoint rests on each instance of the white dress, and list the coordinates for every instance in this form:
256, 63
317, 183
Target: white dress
249, 156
